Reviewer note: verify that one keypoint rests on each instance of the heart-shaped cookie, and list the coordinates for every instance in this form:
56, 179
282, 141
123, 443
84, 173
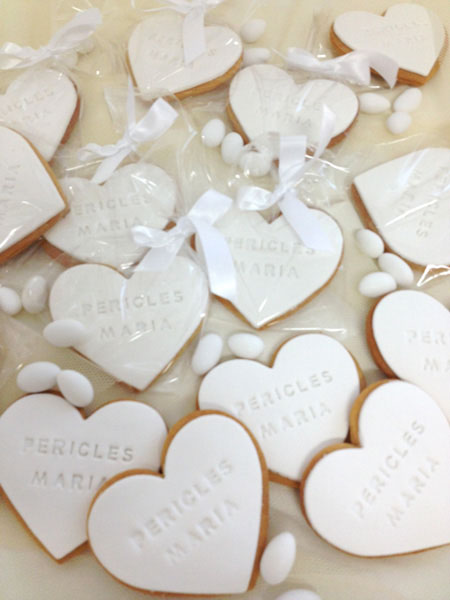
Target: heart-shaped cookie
200, 529
98, 226
43, 106
264, 99
407, 200
30, 199
293, 409
409, 336
409, 33
390, 492
156, 59
53, 461
276, 274
137, 326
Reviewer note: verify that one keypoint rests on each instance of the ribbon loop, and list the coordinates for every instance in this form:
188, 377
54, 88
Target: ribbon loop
353, 67
69, 37
159, 118
200, 220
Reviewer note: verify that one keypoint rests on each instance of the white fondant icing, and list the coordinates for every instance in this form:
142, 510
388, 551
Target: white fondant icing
137, 326
408, 200
392, 495
412, 332
409, 33
52, 461
98, 226
266, 99
155, 52
275, 272
294, 409
29, 197
196, 530
40, 104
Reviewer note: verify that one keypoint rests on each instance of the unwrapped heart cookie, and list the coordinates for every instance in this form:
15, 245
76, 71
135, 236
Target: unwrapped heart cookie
407, 201
43, 106
156, 60
53, 461
198, 530
293, 409
98, 226
389, 492
31, 200
410, 34
409, 336
276, 274
137, 326
265, 99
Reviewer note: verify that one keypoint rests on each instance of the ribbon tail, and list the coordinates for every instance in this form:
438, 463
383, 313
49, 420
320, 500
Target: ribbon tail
385, 66
211, 206
194, 39
305, 224
109, 165
218, 259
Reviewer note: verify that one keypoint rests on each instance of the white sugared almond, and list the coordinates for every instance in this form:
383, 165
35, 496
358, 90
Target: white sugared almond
278, 558
377, 284
245, 345
232, 145
398, 122
408, 100
37, 377
75, 387
213, 133
35, 294
255, 164
64, 333
369, 242
397, 267
252, 30
372, 103
255, 56
10, 302
207, 354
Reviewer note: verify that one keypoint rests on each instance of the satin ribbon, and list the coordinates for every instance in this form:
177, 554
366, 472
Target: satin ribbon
153, 125
69, 37
353, 67
292, 166
194, 39
165, 245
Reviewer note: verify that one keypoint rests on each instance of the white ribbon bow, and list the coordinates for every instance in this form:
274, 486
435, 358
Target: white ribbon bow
292, 166
159, 118
194, 39
353, 67
165, 245
69, 37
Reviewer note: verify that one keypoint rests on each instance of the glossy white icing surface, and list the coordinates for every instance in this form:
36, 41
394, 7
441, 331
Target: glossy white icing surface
390, 496
193, 531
